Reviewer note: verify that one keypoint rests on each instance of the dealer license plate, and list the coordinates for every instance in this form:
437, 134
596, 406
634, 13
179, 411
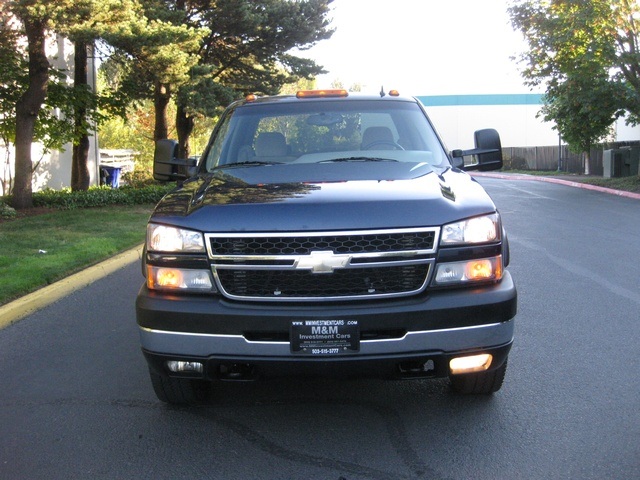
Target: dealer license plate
325, 337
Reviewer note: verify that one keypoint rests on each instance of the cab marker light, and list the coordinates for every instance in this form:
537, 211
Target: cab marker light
322, 93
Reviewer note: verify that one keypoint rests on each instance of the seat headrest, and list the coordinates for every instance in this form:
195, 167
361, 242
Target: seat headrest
270, 144
376, 134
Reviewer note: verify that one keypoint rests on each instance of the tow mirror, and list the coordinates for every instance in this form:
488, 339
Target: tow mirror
166, 164
488, 152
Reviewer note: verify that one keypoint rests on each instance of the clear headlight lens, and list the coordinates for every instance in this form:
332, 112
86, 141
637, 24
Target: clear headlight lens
471, 231
161, 238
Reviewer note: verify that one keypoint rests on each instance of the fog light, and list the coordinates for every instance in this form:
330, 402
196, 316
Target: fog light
470, 364
176, 366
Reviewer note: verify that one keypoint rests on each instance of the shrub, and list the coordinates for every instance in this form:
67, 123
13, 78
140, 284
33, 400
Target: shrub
139, 178
515, 163
100, 196
6, 211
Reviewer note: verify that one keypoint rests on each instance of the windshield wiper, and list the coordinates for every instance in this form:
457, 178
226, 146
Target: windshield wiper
358, 159
248, 163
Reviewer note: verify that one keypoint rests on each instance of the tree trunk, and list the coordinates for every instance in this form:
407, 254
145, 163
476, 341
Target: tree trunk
184, 126
162, 96
587, 162
7, 180
27, 109
80, 176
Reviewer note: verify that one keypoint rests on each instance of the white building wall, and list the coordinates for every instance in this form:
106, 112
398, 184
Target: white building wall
517, 125
626, 133
457, 117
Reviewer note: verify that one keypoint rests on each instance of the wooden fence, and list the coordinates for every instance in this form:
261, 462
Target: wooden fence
551, 158
557, 158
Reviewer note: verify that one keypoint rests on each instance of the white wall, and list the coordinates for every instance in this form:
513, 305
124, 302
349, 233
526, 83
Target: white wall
517, 124
514, 116
626, 133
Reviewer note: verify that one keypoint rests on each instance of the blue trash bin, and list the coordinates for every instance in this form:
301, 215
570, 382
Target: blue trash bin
111, 176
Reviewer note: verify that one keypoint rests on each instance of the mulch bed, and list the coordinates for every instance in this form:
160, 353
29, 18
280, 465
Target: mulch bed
28, 212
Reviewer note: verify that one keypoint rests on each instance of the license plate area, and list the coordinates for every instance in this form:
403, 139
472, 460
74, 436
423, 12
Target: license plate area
324, 337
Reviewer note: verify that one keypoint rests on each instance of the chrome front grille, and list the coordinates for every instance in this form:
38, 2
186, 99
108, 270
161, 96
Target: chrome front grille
323, 265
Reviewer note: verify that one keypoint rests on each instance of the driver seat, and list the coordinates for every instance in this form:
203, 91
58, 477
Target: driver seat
373, 135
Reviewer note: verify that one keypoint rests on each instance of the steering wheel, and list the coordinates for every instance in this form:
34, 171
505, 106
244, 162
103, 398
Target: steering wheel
396, 146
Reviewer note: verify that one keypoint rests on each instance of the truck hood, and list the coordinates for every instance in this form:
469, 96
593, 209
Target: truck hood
323, 197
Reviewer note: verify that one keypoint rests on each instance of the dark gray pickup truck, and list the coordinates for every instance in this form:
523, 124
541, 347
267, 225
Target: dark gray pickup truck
326, 233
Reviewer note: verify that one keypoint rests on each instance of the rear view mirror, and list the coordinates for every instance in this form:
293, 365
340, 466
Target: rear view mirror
325, 119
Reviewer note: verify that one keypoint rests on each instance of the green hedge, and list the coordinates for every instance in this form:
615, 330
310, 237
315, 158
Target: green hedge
100, 196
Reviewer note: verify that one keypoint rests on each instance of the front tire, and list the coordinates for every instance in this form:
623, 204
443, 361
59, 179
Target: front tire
180, 391
479, 382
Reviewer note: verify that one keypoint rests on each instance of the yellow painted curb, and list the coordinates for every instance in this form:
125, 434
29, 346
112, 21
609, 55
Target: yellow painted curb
18, 309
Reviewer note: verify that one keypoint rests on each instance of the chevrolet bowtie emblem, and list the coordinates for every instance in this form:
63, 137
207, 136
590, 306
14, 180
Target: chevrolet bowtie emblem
322, 262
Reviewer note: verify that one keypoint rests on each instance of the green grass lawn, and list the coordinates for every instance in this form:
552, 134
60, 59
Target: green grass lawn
38, 250
629, 184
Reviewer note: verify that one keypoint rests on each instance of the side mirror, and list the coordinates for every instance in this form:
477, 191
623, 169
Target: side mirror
488, 152
489, 141
166, 164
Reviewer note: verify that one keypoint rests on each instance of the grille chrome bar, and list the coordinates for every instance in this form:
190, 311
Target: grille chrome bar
284, 262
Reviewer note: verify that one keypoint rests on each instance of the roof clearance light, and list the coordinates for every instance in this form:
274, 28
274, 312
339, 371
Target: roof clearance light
394, 93
250, 98
322, 93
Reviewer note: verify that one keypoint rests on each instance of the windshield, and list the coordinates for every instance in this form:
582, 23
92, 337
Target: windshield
324, 131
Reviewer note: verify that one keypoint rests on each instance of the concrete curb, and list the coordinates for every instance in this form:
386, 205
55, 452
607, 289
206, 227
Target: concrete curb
18, 309
559, 181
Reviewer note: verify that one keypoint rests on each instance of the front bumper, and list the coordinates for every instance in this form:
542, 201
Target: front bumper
405, 337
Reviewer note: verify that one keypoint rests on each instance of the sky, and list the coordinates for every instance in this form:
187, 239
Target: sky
422, 47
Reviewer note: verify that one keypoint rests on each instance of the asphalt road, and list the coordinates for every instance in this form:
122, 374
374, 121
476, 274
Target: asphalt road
76, 402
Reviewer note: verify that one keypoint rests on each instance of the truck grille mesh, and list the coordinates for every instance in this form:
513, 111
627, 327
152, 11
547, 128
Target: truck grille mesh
303, 245
361, 264
342, 283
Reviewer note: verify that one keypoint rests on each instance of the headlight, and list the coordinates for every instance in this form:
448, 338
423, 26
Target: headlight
161, 238
471, 231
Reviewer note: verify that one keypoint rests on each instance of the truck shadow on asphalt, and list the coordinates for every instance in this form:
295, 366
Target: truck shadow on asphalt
364, 428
